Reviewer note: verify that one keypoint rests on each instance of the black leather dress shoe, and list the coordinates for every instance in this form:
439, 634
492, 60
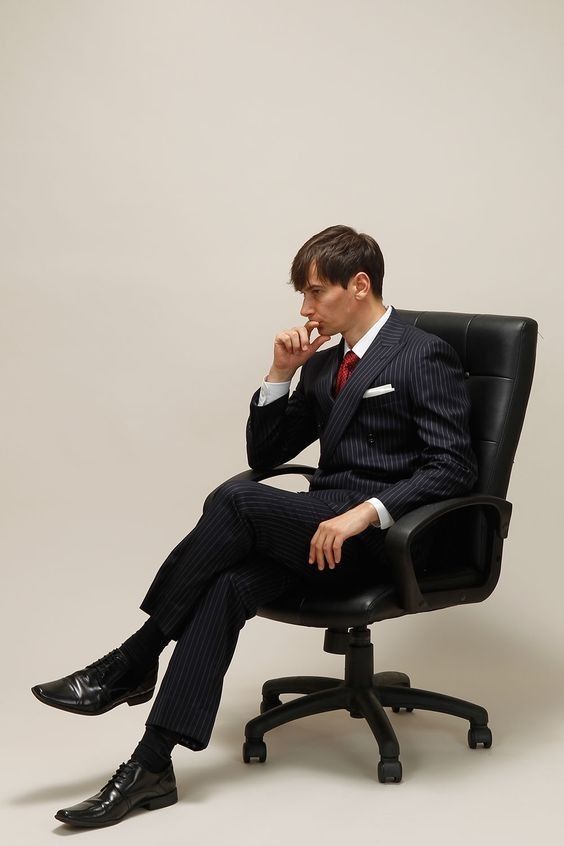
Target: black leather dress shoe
99, 687
130, 787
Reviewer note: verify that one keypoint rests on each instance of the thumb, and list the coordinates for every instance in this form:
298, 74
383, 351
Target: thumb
321, 339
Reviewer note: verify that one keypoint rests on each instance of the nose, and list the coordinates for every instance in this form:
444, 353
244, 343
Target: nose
306, 310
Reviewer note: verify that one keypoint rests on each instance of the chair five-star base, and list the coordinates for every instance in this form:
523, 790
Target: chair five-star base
364, 694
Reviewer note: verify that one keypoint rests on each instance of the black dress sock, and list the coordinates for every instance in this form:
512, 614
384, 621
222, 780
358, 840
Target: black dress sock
144, 647
154, 748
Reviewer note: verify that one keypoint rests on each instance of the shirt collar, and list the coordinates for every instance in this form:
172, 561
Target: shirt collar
362, 345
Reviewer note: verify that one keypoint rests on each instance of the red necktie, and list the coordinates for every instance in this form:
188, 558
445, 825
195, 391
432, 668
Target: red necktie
349, 362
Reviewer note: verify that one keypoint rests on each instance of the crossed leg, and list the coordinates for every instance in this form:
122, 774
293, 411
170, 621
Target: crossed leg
244, 518
249, 547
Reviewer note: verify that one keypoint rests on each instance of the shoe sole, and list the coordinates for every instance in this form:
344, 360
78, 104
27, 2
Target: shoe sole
138, 699
149, 804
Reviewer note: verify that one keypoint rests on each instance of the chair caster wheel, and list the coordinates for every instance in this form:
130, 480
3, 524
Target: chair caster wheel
479, 734
254, 749
398, 708
269, 702
389, 771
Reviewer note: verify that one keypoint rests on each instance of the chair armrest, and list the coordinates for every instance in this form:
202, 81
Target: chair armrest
400, 537
280, 470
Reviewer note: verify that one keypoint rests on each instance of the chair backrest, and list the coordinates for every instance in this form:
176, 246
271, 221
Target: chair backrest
498, 356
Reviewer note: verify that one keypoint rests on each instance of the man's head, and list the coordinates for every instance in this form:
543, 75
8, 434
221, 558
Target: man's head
340, 272
336, 255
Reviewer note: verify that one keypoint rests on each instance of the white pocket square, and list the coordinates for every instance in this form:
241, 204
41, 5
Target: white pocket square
376, 392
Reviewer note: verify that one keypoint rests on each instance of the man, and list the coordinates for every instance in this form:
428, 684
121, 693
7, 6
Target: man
390, 408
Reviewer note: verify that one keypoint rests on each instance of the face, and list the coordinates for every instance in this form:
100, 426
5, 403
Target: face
335, 307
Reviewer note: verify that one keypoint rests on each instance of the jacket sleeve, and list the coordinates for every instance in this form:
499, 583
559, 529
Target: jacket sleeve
441, 410
278, 431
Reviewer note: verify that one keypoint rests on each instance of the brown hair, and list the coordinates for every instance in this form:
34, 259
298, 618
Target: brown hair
337, 254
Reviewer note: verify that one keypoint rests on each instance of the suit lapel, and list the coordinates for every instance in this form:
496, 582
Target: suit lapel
323, 386
381, 351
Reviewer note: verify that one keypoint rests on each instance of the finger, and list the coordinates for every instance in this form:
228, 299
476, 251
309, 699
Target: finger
337, 547
328, 552
304, 337
285, 341
321, 339
296, 340
313, 541
319, 557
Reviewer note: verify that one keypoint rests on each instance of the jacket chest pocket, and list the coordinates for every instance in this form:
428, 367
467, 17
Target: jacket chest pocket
372, 405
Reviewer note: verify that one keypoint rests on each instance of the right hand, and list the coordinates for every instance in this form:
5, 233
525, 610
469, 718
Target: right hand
292, 348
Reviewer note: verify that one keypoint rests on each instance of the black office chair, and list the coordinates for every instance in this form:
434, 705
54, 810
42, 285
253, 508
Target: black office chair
443, 554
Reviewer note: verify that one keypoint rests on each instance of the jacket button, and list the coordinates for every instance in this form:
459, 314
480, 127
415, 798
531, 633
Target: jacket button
371, 438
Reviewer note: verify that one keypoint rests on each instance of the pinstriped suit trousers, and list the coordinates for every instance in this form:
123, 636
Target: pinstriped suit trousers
250, 546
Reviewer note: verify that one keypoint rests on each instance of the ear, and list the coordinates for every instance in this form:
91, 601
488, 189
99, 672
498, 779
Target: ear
361, 285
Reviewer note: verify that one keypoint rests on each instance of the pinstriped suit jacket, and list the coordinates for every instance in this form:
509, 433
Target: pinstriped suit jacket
407, 447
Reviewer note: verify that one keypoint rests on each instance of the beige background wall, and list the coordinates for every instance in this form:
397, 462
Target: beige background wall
160, 165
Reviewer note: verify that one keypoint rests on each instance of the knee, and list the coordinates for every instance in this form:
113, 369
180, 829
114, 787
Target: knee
229, 491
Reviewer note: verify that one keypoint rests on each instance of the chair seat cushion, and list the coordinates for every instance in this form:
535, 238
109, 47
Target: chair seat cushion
360, 606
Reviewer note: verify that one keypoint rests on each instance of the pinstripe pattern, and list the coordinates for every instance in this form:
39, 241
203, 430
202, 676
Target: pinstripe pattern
407, 447
249, 547
189, 695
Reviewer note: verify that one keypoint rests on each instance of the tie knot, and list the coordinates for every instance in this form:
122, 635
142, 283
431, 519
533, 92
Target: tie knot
346, 367
349, 360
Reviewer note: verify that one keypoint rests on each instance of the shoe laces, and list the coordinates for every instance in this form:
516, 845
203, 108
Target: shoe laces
103, 665
121, 771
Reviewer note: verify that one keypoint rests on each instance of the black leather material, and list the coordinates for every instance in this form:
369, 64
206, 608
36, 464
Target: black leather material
359, 607
99, 687
130, 787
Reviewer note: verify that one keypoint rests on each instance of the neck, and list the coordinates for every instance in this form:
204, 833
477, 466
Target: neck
367, 319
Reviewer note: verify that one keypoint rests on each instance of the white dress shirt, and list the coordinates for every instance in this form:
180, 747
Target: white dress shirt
271, 391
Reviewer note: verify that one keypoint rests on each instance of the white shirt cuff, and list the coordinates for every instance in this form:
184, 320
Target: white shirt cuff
386, 519
270, 391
